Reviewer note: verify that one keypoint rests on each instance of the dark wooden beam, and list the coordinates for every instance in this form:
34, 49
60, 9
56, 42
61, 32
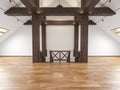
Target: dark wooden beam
102, 11
91, 22
28, 5
84, 39
36, 37
44, 49
63, 22
31, 5
88, 5
18, 11
98, 11
35, 3
76, 40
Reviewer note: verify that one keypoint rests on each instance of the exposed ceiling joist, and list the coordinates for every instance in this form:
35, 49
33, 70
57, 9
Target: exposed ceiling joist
17, 11
56, 22
98, 11
28, 5
89, 4
31, 5
102, 11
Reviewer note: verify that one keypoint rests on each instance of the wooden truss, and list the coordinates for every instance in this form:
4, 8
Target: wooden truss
81, 18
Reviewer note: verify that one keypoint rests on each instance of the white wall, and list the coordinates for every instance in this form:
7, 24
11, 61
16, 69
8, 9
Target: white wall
101, 44
60, 38
18, 44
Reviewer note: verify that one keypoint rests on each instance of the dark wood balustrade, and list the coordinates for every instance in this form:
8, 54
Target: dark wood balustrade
56, 55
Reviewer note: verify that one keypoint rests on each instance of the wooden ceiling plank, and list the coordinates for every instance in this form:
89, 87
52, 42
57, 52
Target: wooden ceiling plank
98, 11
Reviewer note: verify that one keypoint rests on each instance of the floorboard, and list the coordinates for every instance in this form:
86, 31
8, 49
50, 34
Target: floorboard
19, 73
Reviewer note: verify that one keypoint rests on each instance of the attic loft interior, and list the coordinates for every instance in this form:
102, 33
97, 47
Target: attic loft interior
59, 45
39, 14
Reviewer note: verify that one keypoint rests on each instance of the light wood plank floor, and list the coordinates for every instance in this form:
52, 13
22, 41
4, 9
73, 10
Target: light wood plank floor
19, 73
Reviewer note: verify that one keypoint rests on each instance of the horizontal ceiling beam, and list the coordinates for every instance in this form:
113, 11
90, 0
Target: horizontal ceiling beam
21, 11
56, 22
102, 11
18, 11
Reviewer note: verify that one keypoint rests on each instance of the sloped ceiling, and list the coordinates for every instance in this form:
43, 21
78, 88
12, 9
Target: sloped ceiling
110, 22
10, 22
15, 23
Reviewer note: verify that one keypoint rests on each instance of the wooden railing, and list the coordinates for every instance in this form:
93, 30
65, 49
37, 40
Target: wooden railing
56, 55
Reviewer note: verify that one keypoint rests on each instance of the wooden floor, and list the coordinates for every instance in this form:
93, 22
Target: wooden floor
18, 73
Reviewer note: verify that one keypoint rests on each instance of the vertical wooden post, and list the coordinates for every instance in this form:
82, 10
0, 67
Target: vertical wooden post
44, 50
84, 39
36, 37
76, 34
76, 39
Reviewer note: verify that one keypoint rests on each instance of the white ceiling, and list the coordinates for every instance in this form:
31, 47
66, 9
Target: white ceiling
13, 24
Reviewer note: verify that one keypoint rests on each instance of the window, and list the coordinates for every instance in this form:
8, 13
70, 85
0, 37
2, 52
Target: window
3, 31
116, 31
